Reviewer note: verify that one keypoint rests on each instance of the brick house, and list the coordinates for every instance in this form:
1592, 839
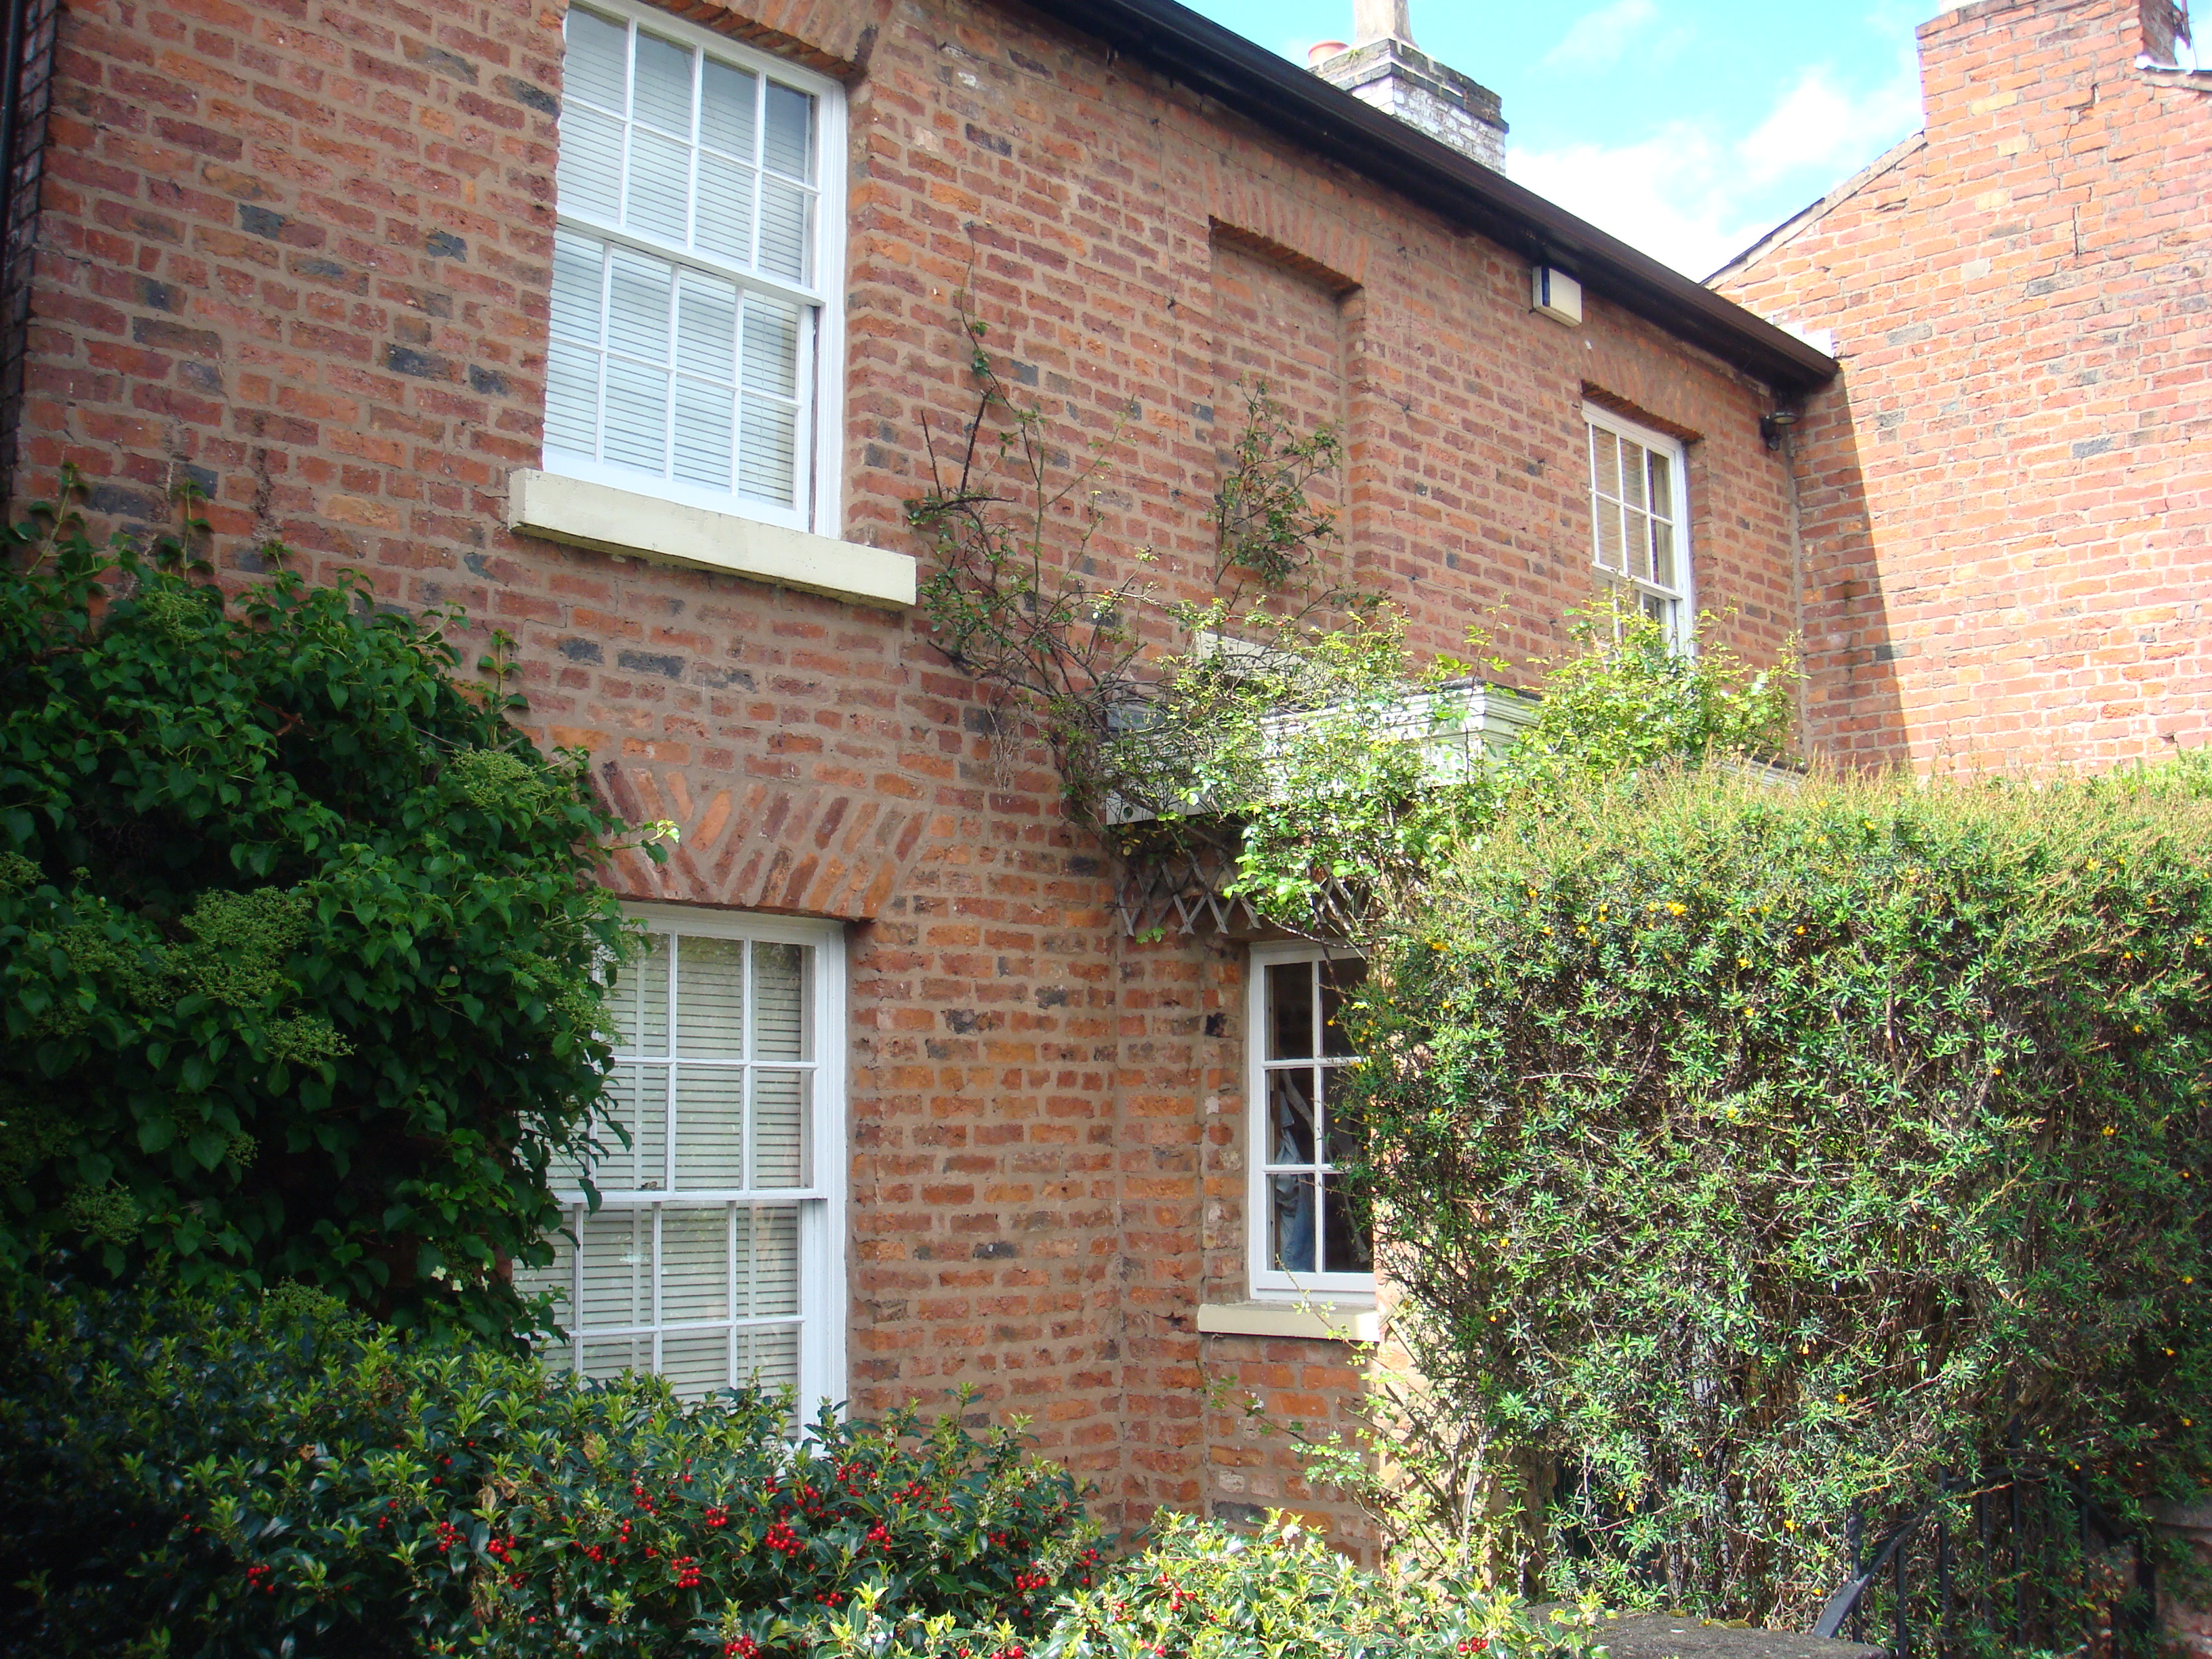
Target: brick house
2004, 497
620, 325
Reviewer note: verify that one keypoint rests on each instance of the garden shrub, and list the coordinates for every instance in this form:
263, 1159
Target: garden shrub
297, 935
1202, 1592
258, 1476
1748, 1155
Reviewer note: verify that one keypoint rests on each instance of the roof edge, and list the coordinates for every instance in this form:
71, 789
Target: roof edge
1277, 94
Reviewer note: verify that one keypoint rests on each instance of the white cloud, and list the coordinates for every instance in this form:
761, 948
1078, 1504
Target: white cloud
1693, 195
1598, 40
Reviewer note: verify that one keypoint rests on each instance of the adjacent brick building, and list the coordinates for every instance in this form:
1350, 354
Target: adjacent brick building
2004, 498
634, 358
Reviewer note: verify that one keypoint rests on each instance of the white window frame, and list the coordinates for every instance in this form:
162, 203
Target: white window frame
1683, 632
1270, 1284
822, 1223
819, 468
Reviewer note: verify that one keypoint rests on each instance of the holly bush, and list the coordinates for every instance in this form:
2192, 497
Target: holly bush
242, 1475
297, 934
1748, 1155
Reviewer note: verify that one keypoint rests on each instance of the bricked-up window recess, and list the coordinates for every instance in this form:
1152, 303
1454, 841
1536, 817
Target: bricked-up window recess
713, 1256
701, 237
26, 58
1640, 524
1307, 1234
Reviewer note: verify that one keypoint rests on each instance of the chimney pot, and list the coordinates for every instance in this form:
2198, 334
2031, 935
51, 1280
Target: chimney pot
1322, 51
1382, 20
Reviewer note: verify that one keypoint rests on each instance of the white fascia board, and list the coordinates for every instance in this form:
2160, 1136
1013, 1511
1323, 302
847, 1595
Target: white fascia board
606, 519
1304, 1321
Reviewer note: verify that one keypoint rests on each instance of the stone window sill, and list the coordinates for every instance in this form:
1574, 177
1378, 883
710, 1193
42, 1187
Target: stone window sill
1313, 1321
583, 513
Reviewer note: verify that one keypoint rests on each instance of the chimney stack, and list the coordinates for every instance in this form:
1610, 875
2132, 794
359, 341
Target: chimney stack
1384, 68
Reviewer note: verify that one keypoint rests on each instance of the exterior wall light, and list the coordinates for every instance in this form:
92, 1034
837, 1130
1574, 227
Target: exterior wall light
1772, 427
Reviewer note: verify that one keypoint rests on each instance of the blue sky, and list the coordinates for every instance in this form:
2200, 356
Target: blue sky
1686, 127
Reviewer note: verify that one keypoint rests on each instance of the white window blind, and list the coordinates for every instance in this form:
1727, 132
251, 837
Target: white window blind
698, 231
711, 1257
1307, 1232
1640, 529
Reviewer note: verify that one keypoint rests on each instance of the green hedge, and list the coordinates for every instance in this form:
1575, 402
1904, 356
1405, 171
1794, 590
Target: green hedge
1750, 1154
195, 1478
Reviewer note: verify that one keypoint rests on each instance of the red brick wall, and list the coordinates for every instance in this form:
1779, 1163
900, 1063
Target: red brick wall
2004, 506
298, 249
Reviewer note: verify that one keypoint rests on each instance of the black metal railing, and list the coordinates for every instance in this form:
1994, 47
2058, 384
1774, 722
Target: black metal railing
2026, 1561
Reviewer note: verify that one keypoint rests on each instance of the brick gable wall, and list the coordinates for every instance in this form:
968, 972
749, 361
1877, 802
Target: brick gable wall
2004, 506
298, 249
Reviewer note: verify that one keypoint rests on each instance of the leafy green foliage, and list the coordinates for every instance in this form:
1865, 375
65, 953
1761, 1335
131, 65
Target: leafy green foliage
1205, 1592
297, 936
1353, 773
1747, 1154
1201, 1591
248, 1476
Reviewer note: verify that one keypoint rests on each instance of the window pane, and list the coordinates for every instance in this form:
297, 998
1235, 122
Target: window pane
729, 108
710, 996
589, 179
790, 148
595, 65
1291, 1101
1339, 980
1662, 554
1631, 472
664, 84
1347, 1234
707, 327
579, 272
1609, 553
1663, 484
767, 1260
637, 416
637, 307
725, 220
710, 1119
637, 1100
572, 399
617, 1269
1290, 1224
768, 1358
779, 1129
638, 1001
1636, 534
697, 1363
706, 428
783, 221
695, 1264
606, 1359
659, 186
1346, 1138
1605, 462
1290, 1011
771, 352
768, 457
778, 995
